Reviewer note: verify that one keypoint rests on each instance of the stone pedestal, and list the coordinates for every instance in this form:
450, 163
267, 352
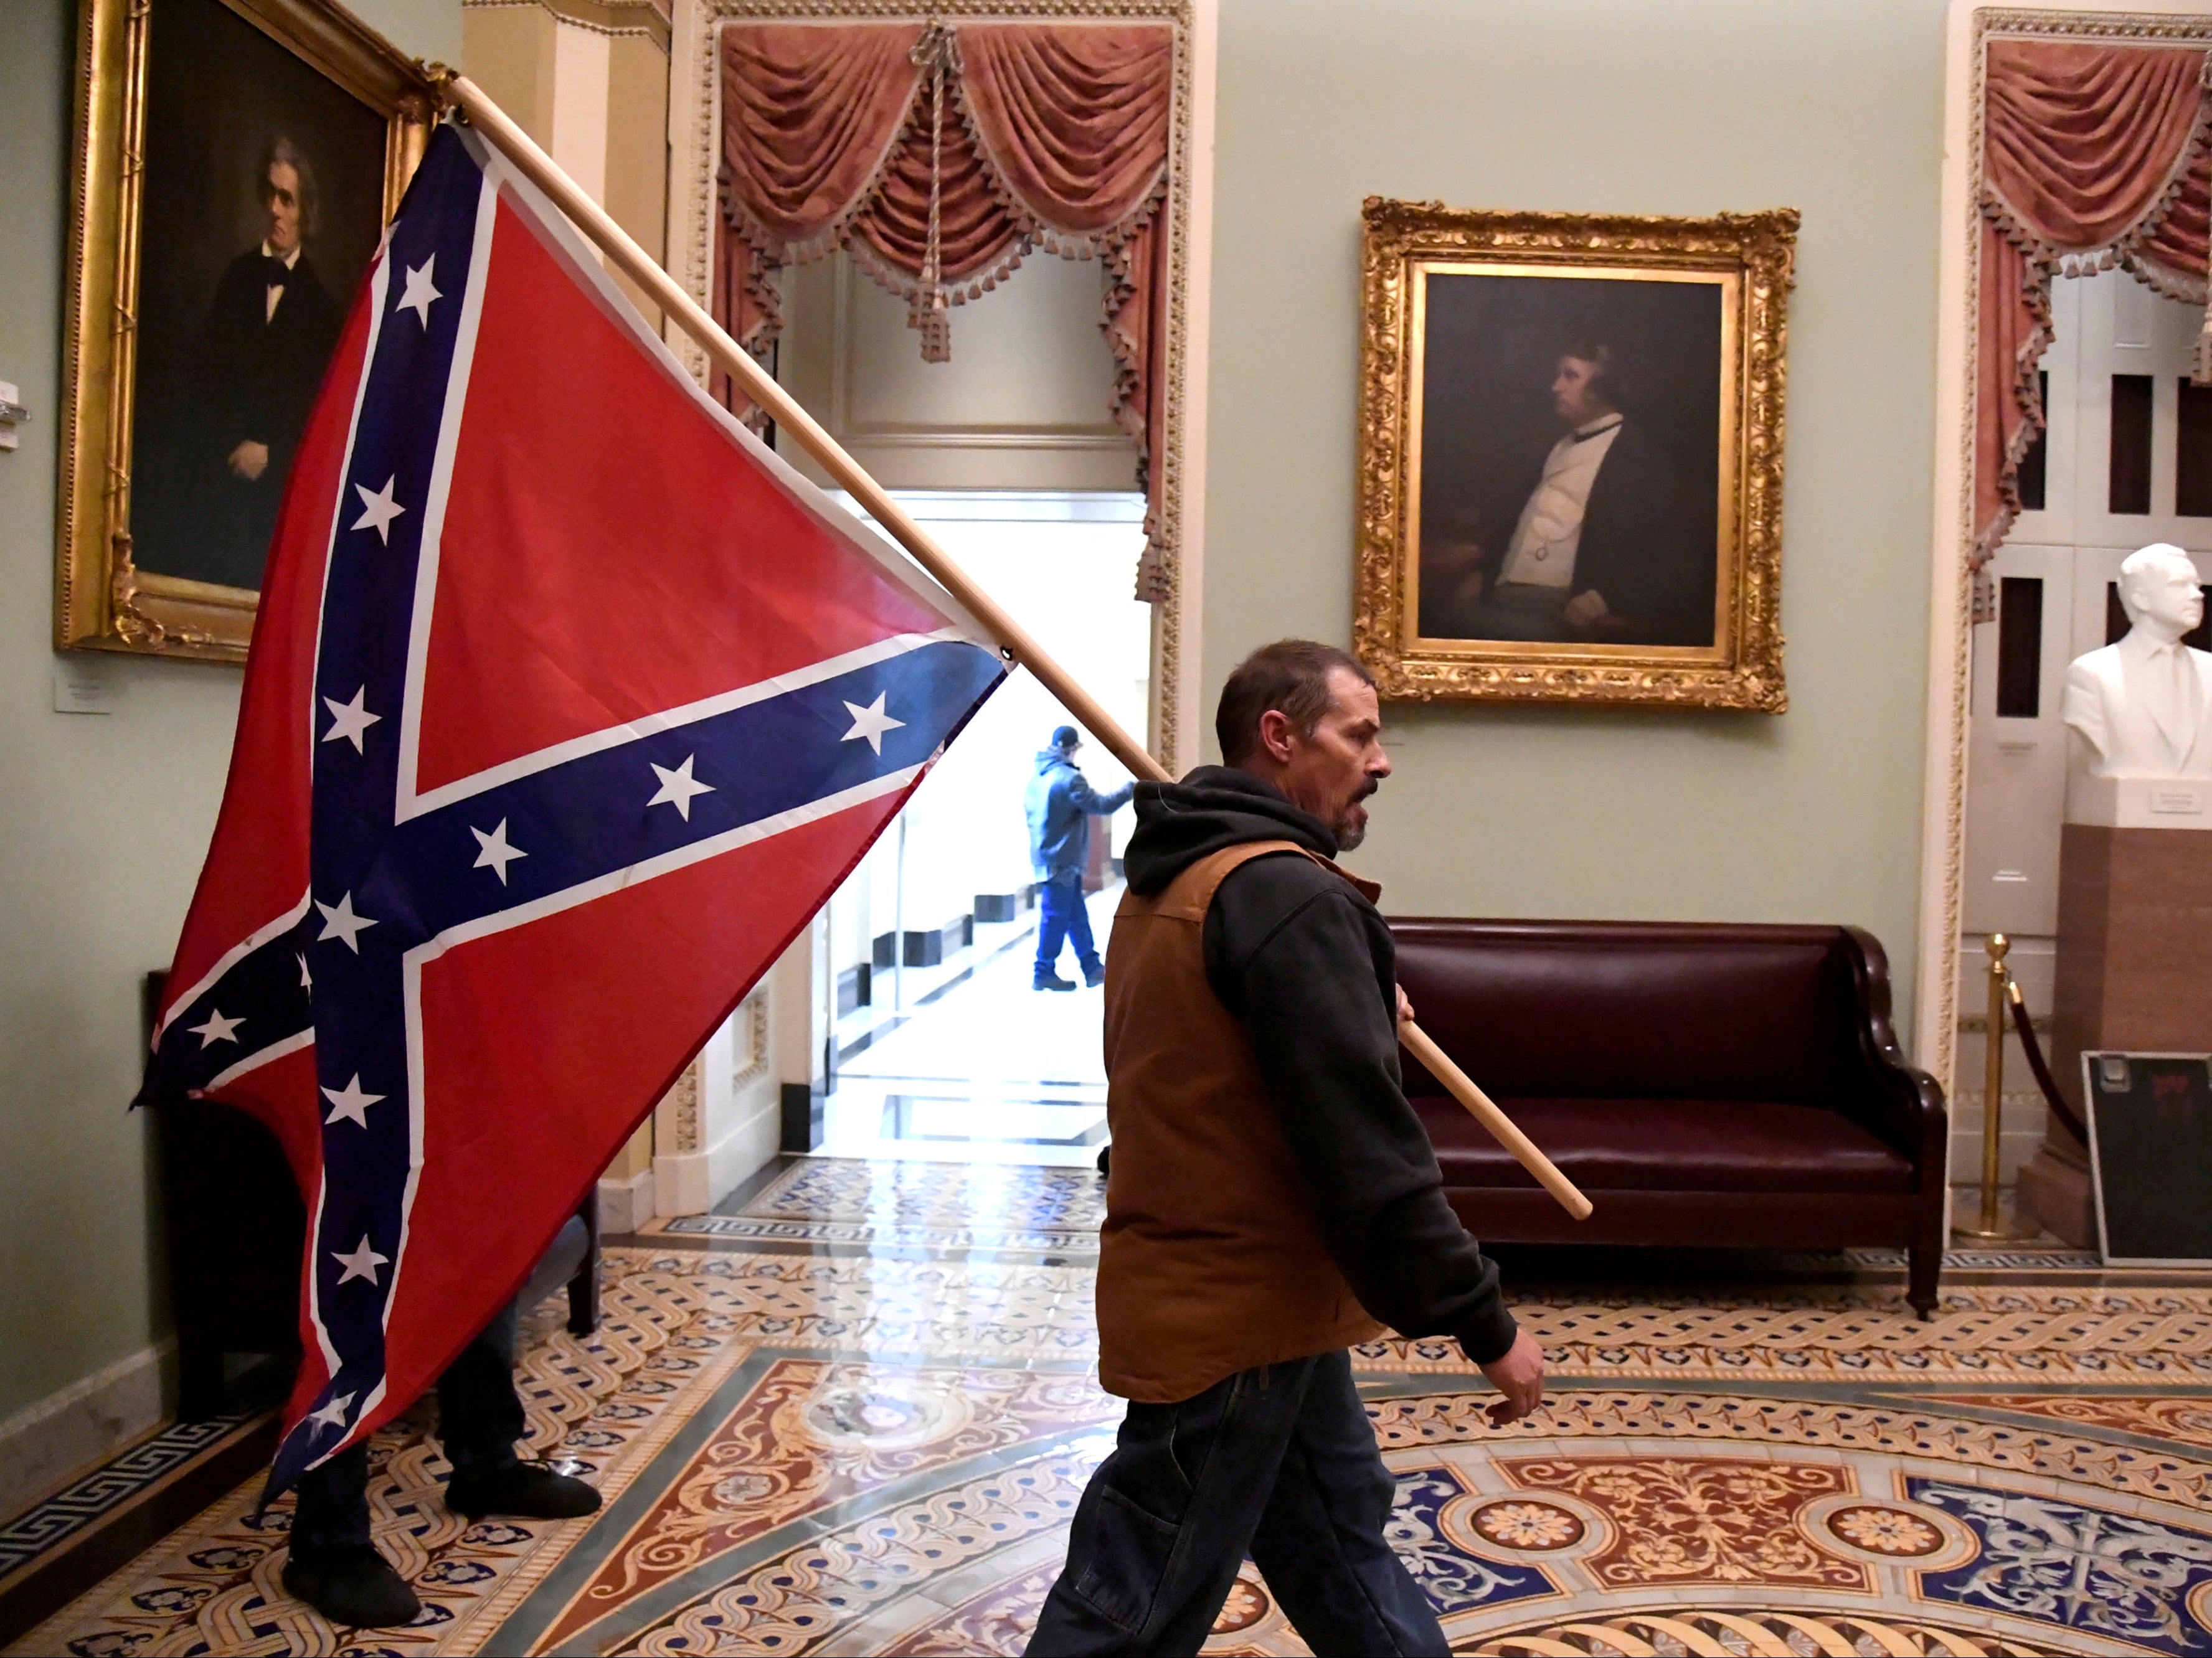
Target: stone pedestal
2054, 1188
2134, 973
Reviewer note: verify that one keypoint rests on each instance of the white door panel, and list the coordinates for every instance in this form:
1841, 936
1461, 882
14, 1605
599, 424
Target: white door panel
2016, 765
2123, 328
2105, 326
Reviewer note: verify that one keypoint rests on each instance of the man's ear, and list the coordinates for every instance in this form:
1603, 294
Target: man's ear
1275, 735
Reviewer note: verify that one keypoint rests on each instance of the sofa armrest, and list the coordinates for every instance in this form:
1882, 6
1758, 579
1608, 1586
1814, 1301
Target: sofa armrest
1899, 1103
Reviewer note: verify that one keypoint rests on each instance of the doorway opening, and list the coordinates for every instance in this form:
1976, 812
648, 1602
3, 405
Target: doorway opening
2126, 459
936, 1046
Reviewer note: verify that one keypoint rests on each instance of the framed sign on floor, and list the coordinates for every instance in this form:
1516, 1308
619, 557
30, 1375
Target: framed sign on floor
2150, 1157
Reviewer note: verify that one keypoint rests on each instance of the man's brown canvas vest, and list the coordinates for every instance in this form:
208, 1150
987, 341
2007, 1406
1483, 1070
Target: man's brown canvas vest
1211, 1261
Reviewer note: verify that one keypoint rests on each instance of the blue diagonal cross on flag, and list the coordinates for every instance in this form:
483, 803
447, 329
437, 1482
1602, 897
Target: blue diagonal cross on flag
569, 703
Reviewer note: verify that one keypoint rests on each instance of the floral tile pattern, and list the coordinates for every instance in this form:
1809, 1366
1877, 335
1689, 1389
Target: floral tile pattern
1701, 1519
811, 1434
2078, 1564
2186, 1421
865, 1453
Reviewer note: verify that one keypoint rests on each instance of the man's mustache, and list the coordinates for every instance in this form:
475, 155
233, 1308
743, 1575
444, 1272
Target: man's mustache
1367, 789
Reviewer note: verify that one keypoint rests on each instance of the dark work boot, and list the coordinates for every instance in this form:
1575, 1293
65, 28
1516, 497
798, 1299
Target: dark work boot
527, 1491
1094, 976
354, 1586
1051, 980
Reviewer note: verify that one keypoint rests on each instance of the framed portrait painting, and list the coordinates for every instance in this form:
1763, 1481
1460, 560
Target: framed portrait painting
237, 161
1570, 456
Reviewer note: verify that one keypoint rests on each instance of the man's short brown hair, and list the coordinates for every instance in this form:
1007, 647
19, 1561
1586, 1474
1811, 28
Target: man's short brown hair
1291, 677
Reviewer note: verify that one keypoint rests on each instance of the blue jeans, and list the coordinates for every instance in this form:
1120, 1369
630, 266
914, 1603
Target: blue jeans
1280, 1462
1064, 919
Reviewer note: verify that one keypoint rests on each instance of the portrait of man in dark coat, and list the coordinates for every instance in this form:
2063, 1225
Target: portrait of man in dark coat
262, 206
270, 332
1570, 448
1590, 543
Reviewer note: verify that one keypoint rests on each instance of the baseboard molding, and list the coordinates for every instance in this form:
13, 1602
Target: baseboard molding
694, 1183
625, 1205
78, 1556
44, 1446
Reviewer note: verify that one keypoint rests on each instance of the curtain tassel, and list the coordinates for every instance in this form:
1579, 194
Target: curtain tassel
929, 313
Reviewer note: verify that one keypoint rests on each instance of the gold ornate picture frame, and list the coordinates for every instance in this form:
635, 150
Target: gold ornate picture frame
180, 348
1571, 441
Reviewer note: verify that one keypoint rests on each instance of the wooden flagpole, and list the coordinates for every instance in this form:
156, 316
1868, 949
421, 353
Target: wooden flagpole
1014, 642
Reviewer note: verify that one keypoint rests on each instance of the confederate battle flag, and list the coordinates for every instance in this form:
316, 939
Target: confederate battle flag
568, 704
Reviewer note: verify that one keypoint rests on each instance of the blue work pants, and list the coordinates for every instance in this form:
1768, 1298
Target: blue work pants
1064, 918
1278, 1462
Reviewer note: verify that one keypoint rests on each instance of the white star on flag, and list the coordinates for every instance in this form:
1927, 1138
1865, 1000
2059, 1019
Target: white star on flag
493, 852
349, 719
871, 722
362, 1263
340, 922
334, 1414
349, 1103
379, 509
307, 979
678, 787
217, 1029
420, 295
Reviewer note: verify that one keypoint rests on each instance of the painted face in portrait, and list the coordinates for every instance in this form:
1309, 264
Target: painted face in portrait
280, 194
1578, 390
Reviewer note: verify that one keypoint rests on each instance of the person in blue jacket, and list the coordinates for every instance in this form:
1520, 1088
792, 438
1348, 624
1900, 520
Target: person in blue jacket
1060, 804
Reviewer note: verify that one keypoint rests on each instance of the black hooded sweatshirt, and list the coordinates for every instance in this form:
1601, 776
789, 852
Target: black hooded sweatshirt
1307, 966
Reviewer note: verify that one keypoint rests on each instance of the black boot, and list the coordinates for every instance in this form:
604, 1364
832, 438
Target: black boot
528, 1491
354, 1587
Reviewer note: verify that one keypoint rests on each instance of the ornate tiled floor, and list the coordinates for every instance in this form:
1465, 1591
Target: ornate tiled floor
859, 1423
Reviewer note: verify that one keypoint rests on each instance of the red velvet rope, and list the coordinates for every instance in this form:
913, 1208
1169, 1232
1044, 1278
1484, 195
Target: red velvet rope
2044, 1079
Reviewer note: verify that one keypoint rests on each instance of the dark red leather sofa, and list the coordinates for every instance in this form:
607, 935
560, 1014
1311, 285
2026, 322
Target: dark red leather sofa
1704, 1084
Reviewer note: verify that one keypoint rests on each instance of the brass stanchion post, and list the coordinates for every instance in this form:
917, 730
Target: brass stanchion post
1993, 1095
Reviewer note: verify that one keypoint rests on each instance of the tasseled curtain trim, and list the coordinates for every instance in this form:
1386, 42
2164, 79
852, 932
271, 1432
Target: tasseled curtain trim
939, 159
2095, 157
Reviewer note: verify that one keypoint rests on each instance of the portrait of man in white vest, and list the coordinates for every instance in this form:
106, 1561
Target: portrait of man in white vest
1568, 486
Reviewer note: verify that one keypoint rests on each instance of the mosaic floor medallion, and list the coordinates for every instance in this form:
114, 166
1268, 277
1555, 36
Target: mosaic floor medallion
854, 1452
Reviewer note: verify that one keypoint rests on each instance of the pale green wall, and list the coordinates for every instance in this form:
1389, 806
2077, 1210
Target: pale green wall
1680, 106
103, 818
1628, 105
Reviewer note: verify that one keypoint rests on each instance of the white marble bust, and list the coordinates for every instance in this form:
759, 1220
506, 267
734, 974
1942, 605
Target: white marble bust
2141, 710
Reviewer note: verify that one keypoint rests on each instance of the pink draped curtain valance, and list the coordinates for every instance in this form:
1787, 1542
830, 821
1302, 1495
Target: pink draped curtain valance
2093, 156
940, 158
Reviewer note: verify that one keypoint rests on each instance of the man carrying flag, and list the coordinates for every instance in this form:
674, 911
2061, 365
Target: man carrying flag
547, 749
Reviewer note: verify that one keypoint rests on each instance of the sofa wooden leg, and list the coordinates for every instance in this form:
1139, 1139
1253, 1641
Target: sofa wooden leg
1923, 1263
